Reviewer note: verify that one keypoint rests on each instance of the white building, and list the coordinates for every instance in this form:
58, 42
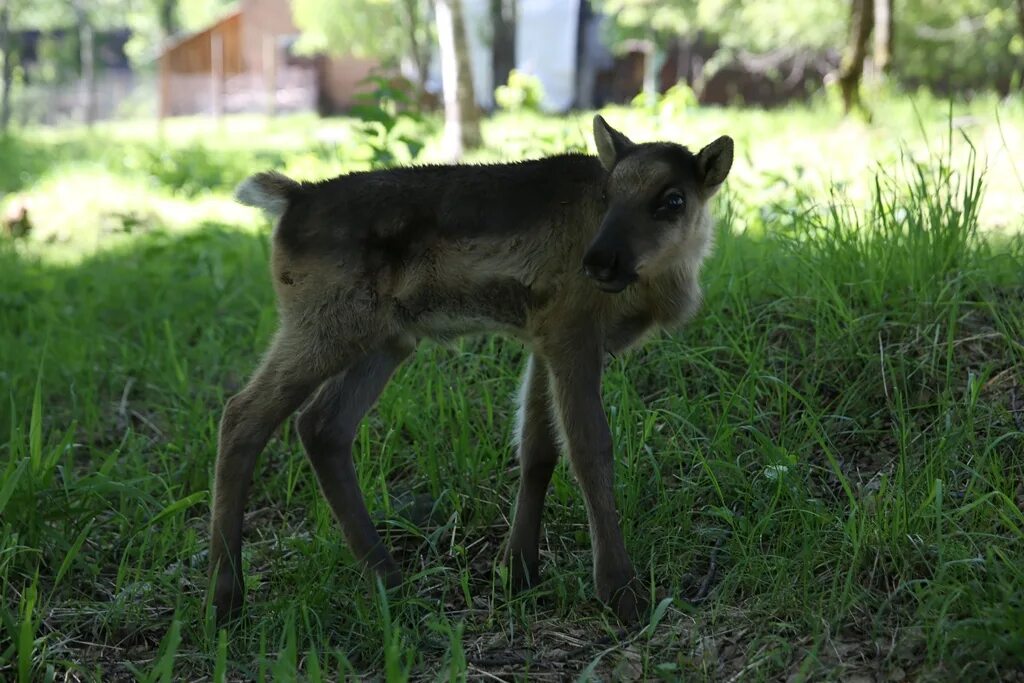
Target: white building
546, 46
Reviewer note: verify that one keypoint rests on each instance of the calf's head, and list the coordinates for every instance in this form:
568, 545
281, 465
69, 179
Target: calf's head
656, 198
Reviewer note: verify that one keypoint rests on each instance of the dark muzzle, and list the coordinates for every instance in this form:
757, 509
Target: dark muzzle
609, 269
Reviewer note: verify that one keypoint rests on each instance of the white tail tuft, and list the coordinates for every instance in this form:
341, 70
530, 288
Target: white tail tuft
270, 191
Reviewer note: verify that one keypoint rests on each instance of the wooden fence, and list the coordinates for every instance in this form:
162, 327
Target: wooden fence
290, 90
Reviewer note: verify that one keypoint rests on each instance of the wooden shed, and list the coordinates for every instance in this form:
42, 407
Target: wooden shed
244, 62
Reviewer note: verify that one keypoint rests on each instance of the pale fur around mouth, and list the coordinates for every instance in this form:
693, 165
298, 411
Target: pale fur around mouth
616, 286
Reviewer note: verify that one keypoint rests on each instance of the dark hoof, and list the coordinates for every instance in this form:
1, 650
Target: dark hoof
523, 579
630, 603
523, 575
228, 597
391, 577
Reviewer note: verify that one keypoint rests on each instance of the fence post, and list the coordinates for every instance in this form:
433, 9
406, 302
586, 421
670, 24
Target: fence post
270, 71
165, 85
217, 73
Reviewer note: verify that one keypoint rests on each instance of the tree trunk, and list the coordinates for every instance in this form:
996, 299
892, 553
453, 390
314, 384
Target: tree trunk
7, 71
503, 49
88, 64
168, 17
654, 57
884, 35
217, 75
461, 115
586, 57
1020, 16
1020, 22
419, 48
862, 17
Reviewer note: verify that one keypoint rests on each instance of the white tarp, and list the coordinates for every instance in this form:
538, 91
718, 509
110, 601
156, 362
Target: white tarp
476, 15
546, 35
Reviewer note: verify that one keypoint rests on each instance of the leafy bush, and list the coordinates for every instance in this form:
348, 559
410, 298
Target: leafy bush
673, 103
388, 122
523, 92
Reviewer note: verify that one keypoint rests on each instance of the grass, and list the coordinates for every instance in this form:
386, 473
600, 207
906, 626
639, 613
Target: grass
833, 449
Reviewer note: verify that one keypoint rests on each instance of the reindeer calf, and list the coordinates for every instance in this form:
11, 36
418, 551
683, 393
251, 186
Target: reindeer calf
575, 255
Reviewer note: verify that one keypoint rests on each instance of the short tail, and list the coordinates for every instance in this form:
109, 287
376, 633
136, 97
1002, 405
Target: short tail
270, 191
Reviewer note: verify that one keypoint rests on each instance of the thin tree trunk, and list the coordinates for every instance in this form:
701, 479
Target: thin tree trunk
412, 18
217, 75
1020, 22
168, 17
468, 109
884, 35
862, 18
1020, 16
654, 56
503, 49
270, 72
462, 116
7, 71
88, 64
586, 62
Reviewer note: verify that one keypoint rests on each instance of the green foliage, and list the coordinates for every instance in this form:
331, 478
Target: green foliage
789, 25
962, 45
384, 29
193, 15
736, 25
391, 128
523, 92
646, 17
671, 105
191, 169
971, 44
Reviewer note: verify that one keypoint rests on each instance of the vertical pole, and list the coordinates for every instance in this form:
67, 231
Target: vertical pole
7, 71
88, 63
164, 108
217, 73
270, 72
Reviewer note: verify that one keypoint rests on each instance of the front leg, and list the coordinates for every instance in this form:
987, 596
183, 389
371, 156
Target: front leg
575, 373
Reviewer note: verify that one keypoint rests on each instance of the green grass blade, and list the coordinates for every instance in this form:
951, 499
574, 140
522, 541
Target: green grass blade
72, 553
220, 664
11, 479
35, 432
26, 635
176, 506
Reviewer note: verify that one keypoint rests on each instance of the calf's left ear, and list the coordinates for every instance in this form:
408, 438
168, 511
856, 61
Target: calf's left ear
714, 162
611, 144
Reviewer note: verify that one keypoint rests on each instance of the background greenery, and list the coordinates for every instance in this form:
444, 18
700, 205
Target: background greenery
954, 46
962, 46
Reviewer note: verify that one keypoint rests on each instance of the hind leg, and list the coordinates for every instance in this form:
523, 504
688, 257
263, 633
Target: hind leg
327, 428
538, 455
280, 385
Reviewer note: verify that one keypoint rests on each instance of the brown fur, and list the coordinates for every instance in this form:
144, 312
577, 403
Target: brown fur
368, 264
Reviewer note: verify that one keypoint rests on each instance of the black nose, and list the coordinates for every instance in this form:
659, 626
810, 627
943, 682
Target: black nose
601, 265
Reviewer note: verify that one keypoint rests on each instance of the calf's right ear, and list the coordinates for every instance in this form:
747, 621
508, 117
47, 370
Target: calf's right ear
611, 144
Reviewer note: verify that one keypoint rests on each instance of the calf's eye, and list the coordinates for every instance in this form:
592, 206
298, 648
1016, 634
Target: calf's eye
672, 201
669, 205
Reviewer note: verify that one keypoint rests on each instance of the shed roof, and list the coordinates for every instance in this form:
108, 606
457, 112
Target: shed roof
181, 40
